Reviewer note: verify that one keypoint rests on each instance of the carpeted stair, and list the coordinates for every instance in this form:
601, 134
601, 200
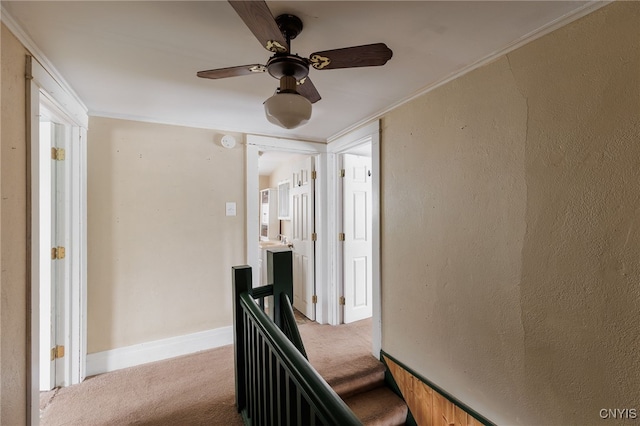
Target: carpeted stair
350, 369
360, 383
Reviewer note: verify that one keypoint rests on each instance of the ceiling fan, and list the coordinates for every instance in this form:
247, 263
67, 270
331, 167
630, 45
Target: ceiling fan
290, 107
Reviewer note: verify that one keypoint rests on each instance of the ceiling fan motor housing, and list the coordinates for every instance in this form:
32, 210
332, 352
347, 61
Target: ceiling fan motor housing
286, 64
290, 65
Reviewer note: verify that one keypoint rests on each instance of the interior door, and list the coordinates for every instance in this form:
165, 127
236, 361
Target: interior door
59, 237
303, 223
46, 286
53, 285
358, 247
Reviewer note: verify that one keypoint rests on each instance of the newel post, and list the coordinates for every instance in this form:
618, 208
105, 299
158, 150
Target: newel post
241, 284
280, 274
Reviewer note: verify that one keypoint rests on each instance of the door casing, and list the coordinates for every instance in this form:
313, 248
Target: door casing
328, 212
43, 88
254, 145
368, 134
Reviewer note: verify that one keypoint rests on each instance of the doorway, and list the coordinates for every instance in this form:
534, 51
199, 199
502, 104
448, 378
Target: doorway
362, 146
287, 180
287, 220
329, 281
302, 159
57, 224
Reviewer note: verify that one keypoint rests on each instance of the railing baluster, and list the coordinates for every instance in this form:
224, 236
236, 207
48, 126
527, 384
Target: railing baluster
282, 396
250, 370
299, 407
295, 403
290, 402
274, 388
261, 380
247, 362
254, 396
273, 380
256, 379
305, 412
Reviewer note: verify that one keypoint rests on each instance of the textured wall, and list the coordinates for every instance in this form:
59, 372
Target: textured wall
13, 225
160, 246
510, 237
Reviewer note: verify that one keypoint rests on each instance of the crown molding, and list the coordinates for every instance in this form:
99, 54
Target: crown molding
38, 55
560, 22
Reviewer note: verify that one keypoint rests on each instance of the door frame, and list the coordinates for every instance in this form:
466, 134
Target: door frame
254, 145
367, 134
328, 213
42, 88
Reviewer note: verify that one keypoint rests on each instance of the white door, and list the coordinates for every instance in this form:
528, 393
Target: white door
303, 223
357, 218
53, 284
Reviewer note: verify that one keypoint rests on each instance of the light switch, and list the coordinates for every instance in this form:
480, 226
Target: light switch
231, 209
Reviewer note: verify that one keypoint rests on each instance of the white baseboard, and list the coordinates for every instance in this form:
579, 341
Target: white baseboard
129, 356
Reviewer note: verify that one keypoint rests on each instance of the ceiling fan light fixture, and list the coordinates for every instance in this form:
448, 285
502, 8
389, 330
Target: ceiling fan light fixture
287, 109
291, 106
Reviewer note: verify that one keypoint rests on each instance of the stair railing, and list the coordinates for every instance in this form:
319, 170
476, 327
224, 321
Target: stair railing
275, 384
280, 275
288, 324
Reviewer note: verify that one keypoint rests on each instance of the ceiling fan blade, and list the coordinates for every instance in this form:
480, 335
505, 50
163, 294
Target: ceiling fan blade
257, 16
233, 71
308, 90
369, 55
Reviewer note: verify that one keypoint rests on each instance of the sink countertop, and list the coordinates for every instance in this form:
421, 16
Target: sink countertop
271, 244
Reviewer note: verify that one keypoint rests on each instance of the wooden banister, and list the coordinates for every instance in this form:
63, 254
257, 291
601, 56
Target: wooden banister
275, 384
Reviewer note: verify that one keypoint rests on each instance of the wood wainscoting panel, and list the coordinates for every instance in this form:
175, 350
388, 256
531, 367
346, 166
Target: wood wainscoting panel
428, 406
423, 393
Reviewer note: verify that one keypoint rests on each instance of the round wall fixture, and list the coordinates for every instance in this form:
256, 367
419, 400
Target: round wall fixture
228, 141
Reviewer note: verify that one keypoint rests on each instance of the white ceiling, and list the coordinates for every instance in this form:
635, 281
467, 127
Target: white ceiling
138, 60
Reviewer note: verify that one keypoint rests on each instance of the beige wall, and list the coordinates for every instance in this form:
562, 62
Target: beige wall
13, 225
160, 246
510, 237
509, 229
264, 182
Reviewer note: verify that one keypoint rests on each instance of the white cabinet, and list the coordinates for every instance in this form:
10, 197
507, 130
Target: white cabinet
284, 211
269, 223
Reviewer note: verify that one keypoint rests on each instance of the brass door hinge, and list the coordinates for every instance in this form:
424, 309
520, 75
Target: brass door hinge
57, 154
57, 352
314, 299
58, 253
342, 301
342, 173
314, 237
314, 174
341, 236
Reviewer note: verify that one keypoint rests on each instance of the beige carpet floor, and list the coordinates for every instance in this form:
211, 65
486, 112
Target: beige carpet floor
195, 389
